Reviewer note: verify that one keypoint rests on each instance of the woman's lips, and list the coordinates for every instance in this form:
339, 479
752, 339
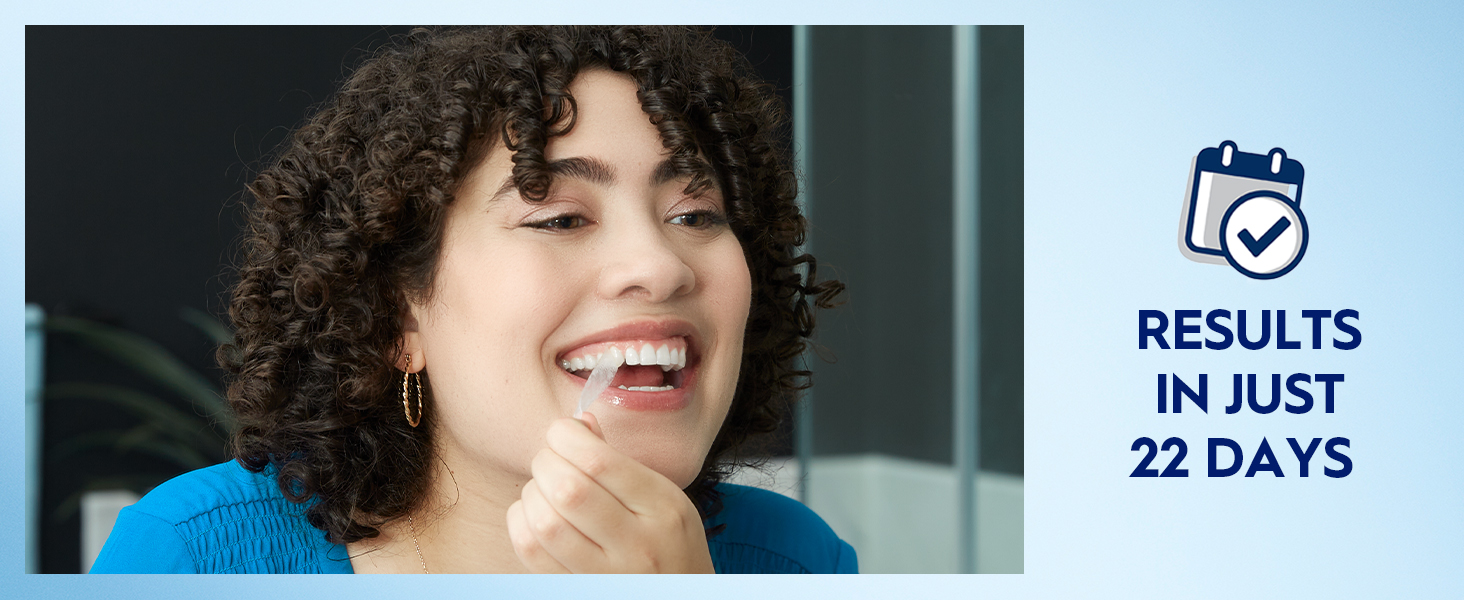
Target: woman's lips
637, 397
654, 331
673, 399
660, 364
656, 375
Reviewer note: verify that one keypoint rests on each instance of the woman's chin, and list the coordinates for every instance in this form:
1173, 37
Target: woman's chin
681, 472
678, 457
669, 431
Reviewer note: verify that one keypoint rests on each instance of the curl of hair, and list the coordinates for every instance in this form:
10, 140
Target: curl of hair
346, 225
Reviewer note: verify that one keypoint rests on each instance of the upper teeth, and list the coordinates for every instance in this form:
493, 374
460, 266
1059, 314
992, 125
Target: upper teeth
669, 358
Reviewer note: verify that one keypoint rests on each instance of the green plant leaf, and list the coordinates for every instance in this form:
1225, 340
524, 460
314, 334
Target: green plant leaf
149, 359
139, 484
191, 429
85, 442
214, 328
143, 439
148, 443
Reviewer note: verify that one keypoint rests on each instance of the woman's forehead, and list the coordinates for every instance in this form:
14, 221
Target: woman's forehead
609, 124
612, 143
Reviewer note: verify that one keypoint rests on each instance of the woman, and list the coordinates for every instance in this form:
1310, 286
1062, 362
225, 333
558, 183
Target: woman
430, 266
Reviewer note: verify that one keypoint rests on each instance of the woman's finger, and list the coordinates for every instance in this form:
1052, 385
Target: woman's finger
593, 423
534, 557
636, 486
591, 509
557, 536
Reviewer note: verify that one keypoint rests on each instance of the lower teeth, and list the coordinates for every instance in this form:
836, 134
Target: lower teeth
647, 388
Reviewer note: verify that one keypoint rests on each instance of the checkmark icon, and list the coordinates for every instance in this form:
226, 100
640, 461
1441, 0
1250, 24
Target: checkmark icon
1256, 246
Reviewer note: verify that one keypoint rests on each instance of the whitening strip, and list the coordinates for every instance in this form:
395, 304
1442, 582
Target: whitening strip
600, 378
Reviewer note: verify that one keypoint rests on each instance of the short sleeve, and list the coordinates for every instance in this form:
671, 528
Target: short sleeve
143, 543
219, 519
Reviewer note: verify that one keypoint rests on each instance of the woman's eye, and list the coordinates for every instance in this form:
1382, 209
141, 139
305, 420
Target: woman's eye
701, 219
561, 222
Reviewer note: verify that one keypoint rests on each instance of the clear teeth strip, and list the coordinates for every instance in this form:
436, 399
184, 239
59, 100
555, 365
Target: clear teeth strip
599, 380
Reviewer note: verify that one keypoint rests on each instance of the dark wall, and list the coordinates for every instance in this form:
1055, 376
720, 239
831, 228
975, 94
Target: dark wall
1002, 349
879, 183
880, 186
139, 141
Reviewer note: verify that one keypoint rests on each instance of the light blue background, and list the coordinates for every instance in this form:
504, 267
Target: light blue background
1119, 99
1371, 101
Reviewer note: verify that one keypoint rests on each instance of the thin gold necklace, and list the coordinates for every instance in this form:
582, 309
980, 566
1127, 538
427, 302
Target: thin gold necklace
413, 529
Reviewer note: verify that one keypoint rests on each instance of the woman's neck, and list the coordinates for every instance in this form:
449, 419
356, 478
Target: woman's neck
460, 528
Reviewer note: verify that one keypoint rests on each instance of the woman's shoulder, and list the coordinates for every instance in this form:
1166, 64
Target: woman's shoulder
208, 490
220, 519
767, 532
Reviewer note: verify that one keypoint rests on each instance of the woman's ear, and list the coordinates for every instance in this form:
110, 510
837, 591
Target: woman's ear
412, 358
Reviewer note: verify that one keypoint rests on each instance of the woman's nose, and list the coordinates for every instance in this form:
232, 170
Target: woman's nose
642, 263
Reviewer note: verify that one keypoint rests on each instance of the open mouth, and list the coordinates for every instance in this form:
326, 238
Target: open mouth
650, 365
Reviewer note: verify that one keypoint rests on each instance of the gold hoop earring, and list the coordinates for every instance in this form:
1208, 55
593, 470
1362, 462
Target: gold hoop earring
408, 376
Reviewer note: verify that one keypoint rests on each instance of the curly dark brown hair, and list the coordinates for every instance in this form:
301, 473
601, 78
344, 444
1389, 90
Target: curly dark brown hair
347, 223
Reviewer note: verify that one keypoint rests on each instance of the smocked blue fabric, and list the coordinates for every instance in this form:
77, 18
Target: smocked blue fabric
225, 519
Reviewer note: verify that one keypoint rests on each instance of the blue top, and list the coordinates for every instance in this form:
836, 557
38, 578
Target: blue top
226, 519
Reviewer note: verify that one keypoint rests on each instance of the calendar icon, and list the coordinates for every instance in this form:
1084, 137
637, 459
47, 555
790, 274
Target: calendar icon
1244, 210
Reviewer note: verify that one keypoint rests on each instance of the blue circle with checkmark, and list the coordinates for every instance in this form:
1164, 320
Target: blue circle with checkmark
1263, 234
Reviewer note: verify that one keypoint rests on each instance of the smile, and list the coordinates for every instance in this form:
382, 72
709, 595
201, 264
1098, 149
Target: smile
649, 365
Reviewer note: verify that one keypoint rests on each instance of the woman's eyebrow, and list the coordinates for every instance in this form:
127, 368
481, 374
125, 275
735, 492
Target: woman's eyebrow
586, 168
665, 172
594, 170
590, 169
597, 171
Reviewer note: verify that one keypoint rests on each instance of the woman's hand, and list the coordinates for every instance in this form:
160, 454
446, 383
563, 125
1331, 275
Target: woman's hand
591, 509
